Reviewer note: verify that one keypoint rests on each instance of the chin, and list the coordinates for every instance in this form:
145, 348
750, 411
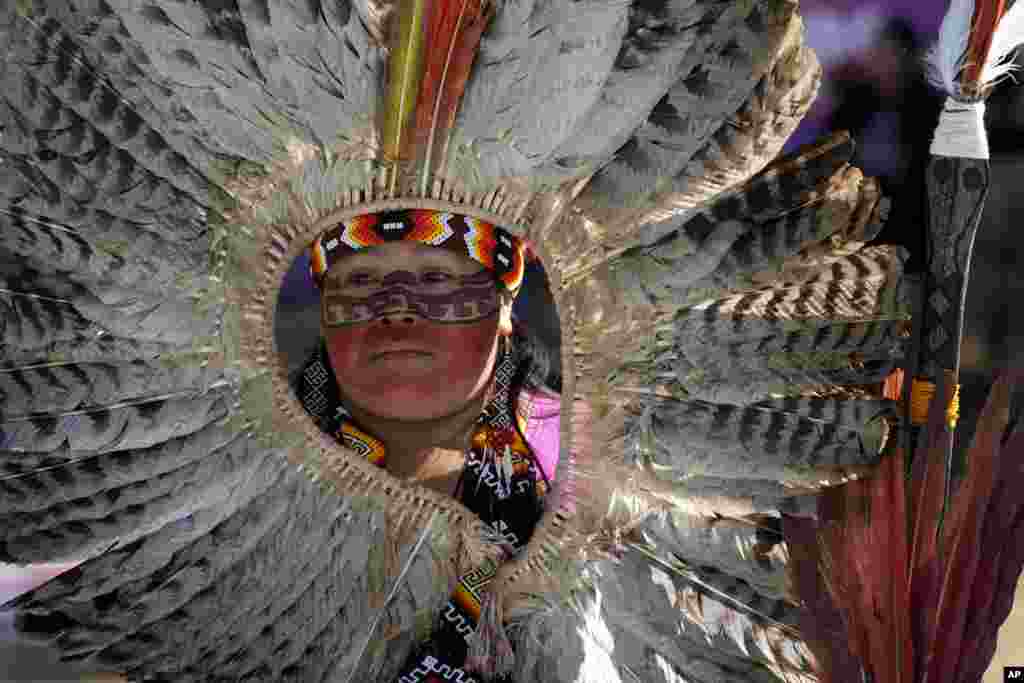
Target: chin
406, 408
390, 413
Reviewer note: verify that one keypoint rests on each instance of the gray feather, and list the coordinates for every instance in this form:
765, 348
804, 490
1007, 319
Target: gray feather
109, 250
742, 148
319, 60
541, 67
94, 476
664, 40
82, 386
147, 552
98, 32
19, 278
731, 545
85, 115
694, 438
653, 629
741, 497
137, 425
82, 156
37, 196
30, 323
214, 79
712, 84
786, 184
748, 235
125, 313
851, 414
89, 349
819, 321
108, 628
82, 526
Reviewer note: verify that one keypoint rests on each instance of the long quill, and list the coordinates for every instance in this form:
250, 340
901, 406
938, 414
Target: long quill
455, 31
399, 582
405, 73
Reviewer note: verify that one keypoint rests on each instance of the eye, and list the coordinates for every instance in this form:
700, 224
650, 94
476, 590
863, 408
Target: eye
436, 276
358, 279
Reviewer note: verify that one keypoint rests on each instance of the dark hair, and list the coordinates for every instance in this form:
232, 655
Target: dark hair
536, 371
540, 365
537, 333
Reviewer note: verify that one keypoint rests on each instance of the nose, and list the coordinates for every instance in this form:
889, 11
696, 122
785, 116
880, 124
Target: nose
399, 317
398, 312
399, 309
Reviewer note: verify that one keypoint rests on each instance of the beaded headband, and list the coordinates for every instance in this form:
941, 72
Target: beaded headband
492, 246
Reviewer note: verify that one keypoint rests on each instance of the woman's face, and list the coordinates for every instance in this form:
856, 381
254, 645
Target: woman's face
390, 360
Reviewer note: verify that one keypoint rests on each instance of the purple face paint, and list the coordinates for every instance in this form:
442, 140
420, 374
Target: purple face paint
441, 312
448, 299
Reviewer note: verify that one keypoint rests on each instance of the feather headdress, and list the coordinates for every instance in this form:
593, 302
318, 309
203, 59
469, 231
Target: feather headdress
725, 329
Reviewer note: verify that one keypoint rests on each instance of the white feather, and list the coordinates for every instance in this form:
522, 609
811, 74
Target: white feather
1008, 36
945, 59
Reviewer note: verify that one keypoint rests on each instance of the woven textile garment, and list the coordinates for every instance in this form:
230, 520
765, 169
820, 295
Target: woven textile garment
724, 324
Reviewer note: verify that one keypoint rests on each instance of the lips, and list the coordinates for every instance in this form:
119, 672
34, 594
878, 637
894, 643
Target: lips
398, 349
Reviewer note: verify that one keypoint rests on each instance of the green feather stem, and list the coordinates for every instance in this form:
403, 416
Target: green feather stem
404, 75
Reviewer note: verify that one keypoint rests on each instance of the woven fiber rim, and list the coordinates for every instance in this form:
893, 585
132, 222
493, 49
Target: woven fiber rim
280, 245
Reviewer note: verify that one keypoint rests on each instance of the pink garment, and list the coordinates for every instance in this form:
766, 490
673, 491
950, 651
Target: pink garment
542, 429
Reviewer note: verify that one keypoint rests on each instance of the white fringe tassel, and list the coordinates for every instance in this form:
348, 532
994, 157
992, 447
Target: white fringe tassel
1008, 37
961, 131
945, 60
490, 652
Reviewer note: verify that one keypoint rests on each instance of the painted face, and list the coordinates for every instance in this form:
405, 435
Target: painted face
411, 330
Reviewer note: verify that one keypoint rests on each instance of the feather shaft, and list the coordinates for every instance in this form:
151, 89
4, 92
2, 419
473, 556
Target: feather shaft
983, 26
399, 582
404, 76
963, 535
928, 479
455, 39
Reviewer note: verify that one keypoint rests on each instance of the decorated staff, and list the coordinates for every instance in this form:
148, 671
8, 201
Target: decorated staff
901, 581
971, 57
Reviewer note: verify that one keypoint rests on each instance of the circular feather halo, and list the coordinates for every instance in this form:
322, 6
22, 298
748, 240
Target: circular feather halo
274, 210
273, 221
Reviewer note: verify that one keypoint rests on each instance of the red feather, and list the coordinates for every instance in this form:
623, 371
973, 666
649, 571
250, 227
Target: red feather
865, 539
900, 589
1004, 591
820, 620
962, 538
987, 14
928, 484
1004, 531
454, 29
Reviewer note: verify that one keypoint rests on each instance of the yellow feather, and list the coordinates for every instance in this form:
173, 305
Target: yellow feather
404, 74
